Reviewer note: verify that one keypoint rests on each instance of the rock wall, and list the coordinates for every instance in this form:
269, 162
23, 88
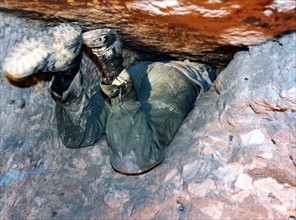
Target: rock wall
207, 30
233, 157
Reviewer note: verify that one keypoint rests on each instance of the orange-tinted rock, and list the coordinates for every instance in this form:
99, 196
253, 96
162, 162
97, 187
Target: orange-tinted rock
197, 29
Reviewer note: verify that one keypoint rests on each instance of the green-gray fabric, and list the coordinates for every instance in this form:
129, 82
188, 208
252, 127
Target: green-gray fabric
82, 122
138, 125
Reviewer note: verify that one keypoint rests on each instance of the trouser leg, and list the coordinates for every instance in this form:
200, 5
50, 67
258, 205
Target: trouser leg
82, 122
171, 97
138, 128
82, 112
132, 149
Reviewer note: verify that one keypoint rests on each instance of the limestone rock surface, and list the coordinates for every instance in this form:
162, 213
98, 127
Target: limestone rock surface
207, 30
233, 157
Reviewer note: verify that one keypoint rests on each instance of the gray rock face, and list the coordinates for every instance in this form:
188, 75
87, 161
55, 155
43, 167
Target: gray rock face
234, 155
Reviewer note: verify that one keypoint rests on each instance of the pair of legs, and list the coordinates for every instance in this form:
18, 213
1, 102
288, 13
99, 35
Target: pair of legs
139, 125
145, 104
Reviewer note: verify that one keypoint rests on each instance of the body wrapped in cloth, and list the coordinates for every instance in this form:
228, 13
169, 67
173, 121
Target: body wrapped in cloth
142, 118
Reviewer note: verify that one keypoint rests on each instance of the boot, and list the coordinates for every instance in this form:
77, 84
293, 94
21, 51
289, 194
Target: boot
56, 50
106, 45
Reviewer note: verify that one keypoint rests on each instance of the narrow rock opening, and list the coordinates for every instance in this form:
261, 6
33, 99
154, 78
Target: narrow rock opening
234, 154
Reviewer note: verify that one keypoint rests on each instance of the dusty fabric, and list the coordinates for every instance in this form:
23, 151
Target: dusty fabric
140, 123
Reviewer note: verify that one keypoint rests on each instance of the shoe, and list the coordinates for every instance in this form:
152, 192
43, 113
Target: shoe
27, 58
106, 45
53, 51
67, 42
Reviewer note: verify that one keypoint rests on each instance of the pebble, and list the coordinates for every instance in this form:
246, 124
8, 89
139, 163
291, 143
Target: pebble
254, 137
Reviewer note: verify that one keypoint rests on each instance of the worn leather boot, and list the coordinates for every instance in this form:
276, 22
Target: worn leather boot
106, 45
56, 50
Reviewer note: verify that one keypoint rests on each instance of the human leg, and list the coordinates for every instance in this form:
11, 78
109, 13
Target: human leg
81, 118
172, 96
148, 107
81, 110
131, 146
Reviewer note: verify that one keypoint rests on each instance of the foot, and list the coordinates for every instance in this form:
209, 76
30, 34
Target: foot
53, 52
106, 45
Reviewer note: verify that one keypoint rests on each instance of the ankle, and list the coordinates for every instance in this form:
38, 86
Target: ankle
111, 68
63, 79
106, 45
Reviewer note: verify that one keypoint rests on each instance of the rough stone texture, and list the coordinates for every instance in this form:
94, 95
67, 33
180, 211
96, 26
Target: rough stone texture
233, 157
207, 30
